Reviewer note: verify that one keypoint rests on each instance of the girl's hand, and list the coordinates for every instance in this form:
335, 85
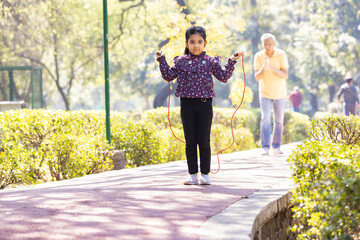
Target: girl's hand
158, 53
237, 55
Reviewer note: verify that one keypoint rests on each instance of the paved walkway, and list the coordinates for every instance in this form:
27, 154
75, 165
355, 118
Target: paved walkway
142, 203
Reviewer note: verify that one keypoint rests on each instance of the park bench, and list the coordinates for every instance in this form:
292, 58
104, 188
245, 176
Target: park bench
10, 105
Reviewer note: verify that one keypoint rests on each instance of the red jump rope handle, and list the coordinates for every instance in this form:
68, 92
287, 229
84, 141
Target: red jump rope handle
159, 53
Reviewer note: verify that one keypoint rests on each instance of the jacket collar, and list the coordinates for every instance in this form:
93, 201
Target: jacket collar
197, 56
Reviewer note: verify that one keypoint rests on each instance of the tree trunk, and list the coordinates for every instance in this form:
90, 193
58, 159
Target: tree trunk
3, 87
57, 80
253, 84
313, 102
184, 8
161, 96
147, 105
332, 93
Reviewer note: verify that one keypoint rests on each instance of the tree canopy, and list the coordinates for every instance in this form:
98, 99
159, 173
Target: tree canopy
321, 39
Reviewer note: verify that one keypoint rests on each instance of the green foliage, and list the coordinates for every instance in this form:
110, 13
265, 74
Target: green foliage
327, 190
67, 28
242, 118
320, 37
336, 128
295, 124
43, 145
138, 141
40, 145
53, 35
69, 155
243, 125
16, 166
326, 173
236, 94
295, 127
159, 117
221, 138
170, 148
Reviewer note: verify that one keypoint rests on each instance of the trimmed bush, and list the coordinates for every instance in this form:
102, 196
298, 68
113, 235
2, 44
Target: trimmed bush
327, 190
242, 118
69, 156
295, 127
159, 118
221, 138
170, 148
138, 141
16, 166
43, 145
336, 128
40, 145
326, 173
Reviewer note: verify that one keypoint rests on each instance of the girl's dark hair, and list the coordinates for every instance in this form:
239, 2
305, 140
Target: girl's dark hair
194, 30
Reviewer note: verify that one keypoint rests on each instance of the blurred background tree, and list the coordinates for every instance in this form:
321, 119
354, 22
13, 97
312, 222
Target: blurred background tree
236, 94
64, 37
57, 36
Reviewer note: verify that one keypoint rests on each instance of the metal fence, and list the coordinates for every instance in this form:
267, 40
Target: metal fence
22, 83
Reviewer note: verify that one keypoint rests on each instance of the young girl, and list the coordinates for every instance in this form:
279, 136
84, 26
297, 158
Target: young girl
194, 71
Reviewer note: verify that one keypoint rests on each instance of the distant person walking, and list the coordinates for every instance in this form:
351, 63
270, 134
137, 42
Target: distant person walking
295, 98
351, 97
271, 71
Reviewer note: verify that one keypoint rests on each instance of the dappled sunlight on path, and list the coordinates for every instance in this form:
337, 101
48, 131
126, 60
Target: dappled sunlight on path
142, 203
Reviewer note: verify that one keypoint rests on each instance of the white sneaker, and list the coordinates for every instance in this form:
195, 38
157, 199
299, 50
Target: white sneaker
277, 151
265, 151
205, 179
192, 180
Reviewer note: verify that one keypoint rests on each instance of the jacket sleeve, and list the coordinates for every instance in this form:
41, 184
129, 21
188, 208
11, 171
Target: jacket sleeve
219, 73
356, 95
168, 73
339, 93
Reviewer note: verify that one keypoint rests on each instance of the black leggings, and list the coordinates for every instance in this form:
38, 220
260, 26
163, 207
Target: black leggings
196, 116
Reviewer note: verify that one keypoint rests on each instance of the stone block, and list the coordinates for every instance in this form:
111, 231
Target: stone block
118, 158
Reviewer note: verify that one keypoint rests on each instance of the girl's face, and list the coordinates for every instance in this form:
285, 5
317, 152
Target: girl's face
196, 44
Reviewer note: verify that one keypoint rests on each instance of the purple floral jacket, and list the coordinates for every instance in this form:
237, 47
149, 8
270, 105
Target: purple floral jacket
194, 74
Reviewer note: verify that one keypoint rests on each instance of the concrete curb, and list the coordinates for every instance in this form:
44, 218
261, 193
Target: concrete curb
269, 212
243, 220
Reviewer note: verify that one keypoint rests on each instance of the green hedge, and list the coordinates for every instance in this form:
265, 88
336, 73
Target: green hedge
336, 128
295, 124
170, 148
295, 127
40, 145
221, 136
138, 141
326, 174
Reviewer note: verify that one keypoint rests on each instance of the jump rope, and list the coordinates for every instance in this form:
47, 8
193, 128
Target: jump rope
231, 123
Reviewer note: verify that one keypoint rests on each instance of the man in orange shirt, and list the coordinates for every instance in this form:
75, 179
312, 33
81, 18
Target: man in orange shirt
271, 71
